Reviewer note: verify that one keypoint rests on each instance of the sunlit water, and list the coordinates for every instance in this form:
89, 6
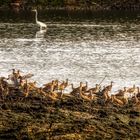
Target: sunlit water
78, 51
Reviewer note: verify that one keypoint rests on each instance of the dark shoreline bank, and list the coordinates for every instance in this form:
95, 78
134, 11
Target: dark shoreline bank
54, 15
71, 10
93, 5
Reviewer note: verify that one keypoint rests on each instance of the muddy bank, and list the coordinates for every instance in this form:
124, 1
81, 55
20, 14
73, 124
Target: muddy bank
36, 117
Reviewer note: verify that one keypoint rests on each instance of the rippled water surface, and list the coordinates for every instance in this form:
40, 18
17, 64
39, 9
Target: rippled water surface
78, 51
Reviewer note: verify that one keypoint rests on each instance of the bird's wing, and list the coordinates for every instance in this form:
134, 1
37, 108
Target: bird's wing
41, 23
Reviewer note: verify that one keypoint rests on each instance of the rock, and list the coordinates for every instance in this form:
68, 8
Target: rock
132, 123
4, 106
102, 113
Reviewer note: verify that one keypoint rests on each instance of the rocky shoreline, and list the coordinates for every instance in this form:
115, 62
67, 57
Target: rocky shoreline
69, 118
31, 112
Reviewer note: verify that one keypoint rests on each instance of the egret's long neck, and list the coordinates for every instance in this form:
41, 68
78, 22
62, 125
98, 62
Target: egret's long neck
36, 16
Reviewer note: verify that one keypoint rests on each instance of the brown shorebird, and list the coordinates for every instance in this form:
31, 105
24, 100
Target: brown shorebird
49, 87
122, 92
138, 93
109, 87
119, 102
63, 85
76, 91
132, 90
84, 88
95, 90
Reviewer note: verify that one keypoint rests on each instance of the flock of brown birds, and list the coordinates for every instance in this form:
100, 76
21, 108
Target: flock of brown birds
19, 85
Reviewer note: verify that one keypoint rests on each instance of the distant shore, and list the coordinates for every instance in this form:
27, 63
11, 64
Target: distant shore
55, 14
72, 5
70, 10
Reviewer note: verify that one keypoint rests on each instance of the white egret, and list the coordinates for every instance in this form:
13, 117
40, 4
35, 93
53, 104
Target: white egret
40, 24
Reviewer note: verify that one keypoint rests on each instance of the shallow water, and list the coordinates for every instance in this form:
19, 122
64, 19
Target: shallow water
81, 51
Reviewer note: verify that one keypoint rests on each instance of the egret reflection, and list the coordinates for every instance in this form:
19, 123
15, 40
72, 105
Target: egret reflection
40, 34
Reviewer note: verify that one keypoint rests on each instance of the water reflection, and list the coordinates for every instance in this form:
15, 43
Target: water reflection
40, 33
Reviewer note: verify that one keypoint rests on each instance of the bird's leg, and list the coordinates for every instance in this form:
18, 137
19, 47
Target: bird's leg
62, 91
